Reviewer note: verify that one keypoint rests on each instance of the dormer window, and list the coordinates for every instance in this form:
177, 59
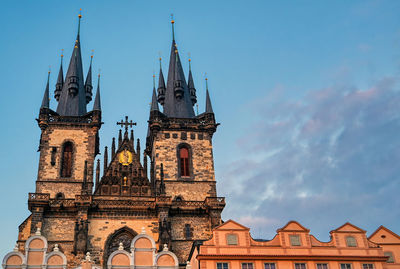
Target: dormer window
232, 239
295, 240
66, 160
351, 241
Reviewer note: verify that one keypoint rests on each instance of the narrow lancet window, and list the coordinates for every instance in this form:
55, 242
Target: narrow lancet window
184, 161
66, 161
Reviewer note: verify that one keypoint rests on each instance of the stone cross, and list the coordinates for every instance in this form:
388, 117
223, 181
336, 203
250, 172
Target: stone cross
126, 123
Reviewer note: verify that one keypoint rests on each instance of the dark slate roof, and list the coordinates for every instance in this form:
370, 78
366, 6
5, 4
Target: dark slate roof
68, 104
97, 103
46, 99
174, 107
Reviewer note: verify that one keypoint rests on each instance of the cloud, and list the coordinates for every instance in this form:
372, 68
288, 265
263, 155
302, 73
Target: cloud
328, 157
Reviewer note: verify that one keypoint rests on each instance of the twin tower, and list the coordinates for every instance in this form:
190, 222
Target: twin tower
169, 188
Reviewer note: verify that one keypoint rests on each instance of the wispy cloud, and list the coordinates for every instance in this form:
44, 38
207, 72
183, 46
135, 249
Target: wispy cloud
329, 157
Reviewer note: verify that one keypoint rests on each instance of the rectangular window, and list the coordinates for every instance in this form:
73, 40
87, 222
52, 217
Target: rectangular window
345, 266
295, 240
247, 265
300, 266
322, 266
368, 266
269, 266
231, 239
351, 241
222, 265
390, 257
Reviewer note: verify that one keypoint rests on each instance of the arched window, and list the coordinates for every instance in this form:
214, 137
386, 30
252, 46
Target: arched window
184, 161
66, 161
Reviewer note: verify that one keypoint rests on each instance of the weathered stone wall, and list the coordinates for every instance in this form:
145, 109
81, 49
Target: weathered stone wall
201, 230
190, 190
58, 228
101, 229
83, 139
165, 151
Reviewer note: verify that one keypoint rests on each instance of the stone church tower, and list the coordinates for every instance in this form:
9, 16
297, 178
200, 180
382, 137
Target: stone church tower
168, 190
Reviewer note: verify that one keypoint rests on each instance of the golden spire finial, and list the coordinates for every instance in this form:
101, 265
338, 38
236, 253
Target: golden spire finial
154, 80
206, 78
49, 69
190, 67
62, 53
172, 24
91, 56
79, 22
99, 72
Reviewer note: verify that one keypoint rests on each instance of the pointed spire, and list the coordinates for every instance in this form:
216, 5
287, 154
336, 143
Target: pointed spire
98, 173
191, 87
177, 97
105, 160
97, 102
138, 148
208, 100
132, 139
88, 82
46, 98
154, 104
161, 86
60, 79
72, 101
119, 138
113, 148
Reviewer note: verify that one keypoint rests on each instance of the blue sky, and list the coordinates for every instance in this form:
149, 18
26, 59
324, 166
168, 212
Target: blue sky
307, 93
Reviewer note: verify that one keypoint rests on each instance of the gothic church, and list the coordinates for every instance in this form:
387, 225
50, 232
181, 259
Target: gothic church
168, 190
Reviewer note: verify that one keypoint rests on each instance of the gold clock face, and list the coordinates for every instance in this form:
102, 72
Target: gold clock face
125, 157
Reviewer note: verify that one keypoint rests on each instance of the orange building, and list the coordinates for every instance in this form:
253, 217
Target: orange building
232, 247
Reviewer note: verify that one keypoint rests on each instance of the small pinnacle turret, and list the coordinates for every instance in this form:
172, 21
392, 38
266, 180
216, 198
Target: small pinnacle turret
46, 98
191, 87
161, 86
209, 108
88, 82
154, 104
97, 103
60, 80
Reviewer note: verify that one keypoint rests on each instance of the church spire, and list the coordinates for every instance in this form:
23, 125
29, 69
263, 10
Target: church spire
161, 86
88, 82
46, 99
60, 79
72, 101
209, 108
191, 87
177, 97
97, 103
